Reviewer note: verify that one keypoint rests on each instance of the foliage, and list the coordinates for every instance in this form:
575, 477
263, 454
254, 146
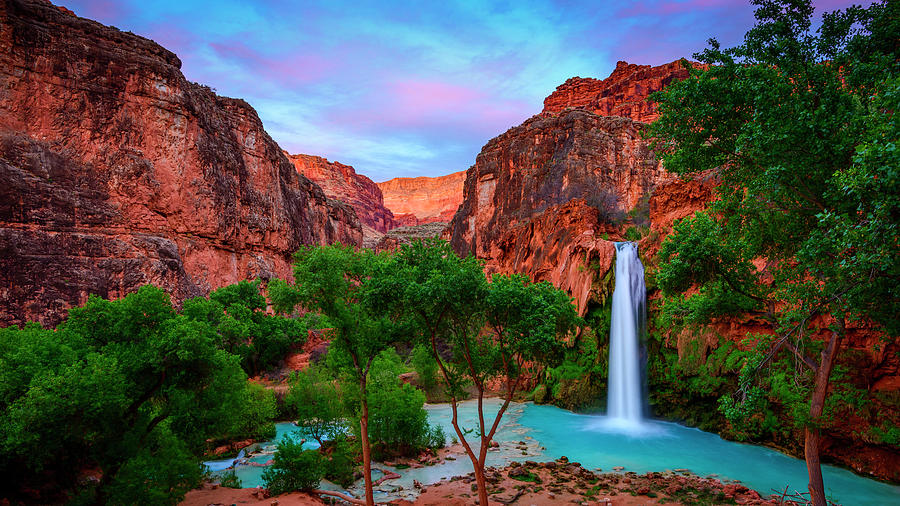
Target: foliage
358, 291
425, 365
229, 479
129, 386
799, 127
257, 412
238, 314
398, 422
293, 468
315, 401
500, 329
340, 465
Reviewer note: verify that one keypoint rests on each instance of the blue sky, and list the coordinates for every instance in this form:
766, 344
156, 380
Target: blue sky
412, 88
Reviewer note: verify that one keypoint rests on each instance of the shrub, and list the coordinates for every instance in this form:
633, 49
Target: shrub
257, 414
425, 365
316, 402
340, 466
293, 468
230, 480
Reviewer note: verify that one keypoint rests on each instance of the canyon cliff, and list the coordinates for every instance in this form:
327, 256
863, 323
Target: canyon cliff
341, 182
624, 93
548, 197
420, 200
115, 171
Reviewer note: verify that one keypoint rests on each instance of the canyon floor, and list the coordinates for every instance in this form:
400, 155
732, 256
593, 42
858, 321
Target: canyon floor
532, 483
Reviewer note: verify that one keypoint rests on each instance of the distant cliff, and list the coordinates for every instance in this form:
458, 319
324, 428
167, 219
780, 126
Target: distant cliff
420, 200
115, 171
341, 182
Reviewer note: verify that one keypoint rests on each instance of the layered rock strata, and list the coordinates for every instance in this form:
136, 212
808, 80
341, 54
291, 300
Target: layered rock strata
542, 198
420, 200
624, 93
341, 182
115, 171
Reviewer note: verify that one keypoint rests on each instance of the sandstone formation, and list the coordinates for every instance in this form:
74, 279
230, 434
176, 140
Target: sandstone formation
418, 200
115, 171
543, 197
341, 182
393, 239
623, 93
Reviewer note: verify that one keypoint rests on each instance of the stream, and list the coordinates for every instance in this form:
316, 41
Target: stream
549, 432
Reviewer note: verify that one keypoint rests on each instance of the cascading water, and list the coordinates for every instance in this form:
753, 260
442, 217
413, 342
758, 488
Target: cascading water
628, 324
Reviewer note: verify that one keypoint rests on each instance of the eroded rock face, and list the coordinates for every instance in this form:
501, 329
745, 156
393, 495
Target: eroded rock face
541, 197
341, 182
420, 200
623, 93
115, 171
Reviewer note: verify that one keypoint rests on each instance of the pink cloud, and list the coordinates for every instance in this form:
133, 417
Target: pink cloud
292, 68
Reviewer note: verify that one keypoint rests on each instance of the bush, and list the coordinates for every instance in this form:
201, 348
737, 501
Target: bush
398, 423
316, 402
293, 468
340, 466
229, 479
257, 414
425, 365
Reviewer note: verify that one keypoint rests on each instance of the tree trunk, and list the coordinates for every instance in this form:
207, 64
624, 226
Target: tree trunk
816, 406
364, 437
482, 485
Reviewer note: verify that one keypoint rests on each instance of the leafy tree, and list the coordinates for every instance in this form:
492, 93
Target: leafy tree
258, 410
799, 127
129, 386
398, 422
293, 468
315, 401
238, 314
425, 366
493, 330
358, 293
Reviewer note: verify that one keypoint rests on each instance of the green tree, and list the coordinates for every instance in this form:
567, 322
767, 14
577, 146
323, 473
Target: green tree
425, 366
799, 127
293, 468
358, 293
238, 314
315, 400
128, 386
493, 330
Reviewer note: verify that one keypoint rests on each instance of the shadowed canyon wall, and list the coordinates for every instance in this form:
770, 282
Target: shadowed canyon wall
115, 171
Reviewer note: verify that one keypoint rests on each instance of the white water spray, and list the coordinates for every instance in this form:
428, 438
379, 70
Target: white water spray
627, 326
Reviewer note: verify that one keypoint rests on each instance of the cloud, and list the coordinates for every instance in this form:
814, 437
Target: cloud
415, 89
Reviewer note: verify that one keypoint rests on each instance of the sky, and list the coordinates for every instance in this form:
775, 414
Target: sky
405, 89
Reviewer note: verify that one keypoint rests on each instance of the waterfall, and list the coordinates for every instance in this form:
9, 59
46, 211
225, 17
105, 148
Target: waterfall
627, 327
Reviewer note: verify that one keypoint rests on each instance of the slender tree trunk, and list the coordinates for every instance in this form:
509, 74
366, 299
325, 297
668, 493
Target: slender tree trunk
364, 437
816, 406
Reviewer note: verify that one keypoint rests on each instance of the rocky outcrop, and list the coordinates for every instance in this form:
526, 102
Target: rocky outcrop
341, 182
624, 93
115, 171
419, 200
543, 197
399, 236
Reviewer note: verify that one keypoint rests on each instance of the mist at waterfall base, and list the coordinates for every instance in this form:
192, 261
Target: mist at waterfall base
625, 437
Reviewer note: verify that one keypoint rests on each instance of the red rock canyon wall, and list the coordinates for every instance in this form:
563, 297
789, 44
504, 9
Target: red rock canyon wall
115, 171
